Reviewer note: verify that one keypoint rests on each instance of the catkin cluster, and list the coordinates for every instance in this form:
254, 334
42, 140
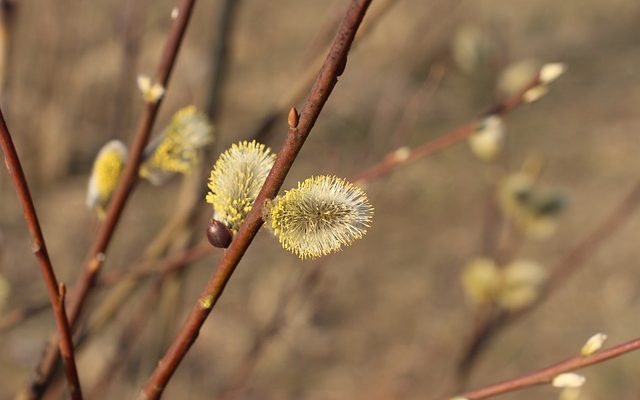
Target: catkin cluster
320, 216
176, 150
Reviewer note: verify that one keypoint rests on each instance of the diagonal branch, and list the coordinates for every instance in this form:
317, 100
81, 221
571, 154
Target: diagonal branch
55, 291
333, 67
92, 267
546, 375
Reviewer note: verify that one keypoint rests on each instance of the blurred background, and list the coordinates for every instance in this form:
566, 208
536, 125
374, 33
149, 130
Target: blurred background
386, 318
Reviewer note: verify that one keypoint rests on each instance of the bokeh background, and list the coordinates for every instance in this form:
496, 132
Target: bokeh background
387, 317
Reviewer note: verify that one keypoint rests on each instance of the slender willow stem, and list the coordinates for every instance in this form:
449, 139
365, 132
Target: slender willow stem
397, 158
55, 290
333, 67
546, 375
89, 275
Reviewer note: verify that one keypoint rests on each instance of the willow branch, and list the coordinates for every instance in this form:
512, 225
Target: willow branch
396, 158
54, 290
92, 267
546, 375
333, 67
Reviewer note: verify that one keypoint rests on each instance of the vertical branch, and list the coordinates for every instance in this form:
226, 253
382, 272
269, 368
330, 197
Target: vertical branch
96, 257
333, 67
55, 291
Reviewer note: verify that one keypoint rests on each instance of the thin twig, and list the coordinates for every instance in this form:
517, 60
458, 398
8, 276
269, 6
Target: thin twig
219, 59
55, 291
546, 375
296, 92
334, 66
15, 317
129, 178
396, 158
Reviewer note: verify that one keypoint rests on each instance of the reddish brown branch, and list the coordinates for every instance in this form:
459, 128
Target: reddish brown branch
395, 158
333, 67
546, 375
55, 292
92, 267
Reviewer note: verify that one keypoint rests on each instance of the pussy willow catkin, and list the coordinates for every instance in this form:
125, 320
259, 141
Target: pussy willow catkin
178, 148
236, 179
320, 216
105, 174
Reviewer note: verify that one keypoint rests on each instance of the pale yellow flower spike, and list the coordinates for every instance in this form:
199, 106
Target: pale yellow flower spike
568, 380
105, 174
593, 345
178, 148
320, 216
151, 92
236, 179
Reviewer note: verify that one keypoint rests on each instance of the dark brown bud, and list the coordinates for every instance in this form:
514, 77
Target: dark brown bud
293, 118
219, 234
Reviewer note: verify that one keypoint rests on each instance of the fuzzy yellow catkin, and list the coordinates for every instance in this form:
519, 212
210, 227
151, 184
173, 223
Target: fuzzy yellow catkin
178, 148
105, 174
568, 380
594, 344
522, 281
551, 71
151, 92
481, 280
236, 179
320, 216
488, 138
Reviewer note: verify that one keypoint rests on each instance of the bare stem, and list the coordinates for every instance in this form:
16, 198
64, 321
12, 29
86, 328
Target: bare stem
546, 375
333, 67
92, 267
55, 292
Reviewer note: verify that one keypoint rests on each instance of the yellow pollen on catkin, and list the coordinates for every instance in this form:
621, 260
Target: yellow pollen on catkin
107, 168
236, 180
178, 148
320, 216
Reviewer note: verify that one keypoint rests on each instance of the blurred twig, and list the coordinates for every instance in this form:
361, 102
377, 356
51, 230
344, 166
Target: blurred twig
571, 262
399, 157
296, 92
55, 290
276, 323
219, 58
415, 103
92, 268
546, 375
15, 317
130, 29
333, 67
